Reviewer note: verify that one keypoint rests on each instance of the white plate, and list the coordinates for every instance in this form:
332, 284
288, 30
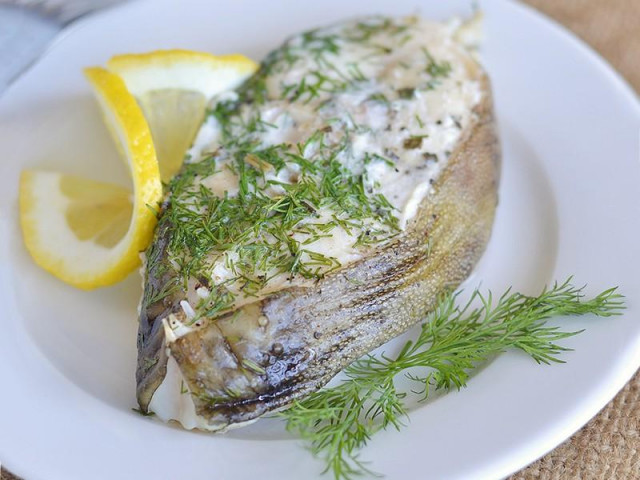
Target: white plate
569, 205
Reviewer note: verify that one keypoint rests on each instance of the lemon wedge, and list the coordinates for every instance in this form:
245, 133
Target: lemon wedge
87, 233
173, 88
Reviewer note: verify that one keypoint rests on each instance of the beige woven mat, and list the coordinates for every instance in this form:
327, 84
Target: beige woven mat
608, 447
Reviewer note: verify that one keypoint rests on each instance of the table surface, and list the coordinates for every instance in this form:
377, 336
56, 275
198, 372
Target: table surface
608, 447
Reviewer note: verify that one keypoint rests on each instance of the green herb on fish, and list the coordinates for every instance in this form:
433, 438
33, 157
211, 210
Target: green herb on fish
435, 68
289, 196
337, 422
264, 234
365, 31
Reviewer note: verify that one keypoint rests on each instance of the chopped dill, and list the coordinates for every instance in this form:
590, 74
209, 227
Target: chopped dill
338, 422
289, 195
406, 93
258, 233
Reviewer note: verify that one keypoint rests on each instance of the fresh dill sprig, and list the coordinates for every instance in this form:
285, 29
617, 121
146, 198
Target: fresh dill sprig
454, 340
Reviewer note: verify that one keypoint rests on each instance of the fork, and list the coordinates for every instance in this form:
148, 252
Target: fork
27, 27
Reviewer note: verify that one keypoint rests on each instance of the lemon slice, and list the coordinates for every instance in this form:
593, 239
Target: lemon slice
87, 233
173, 88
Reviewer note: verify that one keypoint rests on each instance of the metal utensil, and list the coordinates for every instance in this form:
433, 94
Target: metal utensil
28, 26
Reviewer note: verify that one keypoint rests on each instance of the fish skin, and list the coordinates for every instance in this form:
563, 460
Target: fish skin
292, 342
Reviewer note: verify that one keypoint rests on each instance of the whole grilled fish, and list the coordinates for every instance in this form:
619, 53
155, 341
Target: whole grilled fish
326, 205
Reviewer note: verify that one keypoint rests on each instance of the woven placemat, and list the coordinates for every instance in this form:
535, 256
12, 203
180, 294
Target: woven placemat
611, 27
608, 447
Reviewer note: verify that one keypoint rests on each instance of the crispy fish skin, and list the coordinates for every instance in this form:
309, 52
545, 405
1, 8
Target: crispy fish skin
293, 342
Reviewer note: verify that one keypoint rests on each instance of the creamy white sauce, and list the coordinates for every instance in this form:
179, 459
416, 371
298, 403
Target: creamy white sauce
437, 116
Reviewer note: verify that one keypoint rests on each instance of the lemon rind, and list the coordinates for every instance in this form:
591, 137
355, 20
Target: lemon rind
182, 69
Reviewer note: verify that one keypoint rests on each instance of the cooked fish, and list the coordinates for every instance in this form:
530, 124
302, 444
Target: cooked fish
324, 207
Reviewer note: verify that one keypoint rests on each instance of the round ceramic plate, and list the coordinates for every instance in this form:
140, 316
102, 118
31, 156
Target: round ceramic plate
569, 205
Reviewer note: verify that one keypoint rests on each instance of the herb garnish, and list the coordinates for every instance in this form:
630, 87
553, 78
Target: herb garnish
265, 235
435, 69
413, 142
258, 233
337, 422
